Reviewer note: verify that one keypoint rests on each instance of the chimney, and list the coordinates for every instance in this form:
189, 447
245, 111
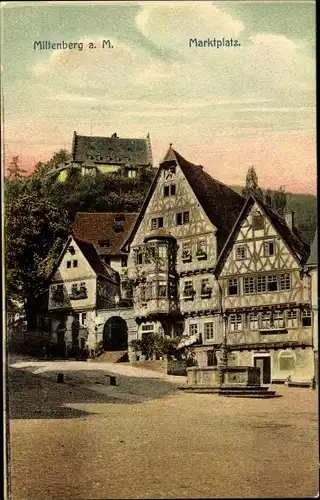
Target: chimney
289, 218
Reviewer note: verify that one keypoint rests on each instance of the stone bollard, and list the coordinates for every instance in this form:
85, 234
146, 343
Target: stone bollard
60, 378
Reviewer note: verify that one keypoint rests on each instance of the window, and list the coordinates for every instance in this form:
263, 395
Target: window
257, 222
162, 289
272, 283
147, 327
285, 281
261, 284
132, 174
205, 287
68, 264
162, 251
182, 218
266, 321
169, 190
202, 248
75, 263
253, 321
269, 248
124, 261
104, 243
233, 287
156, 222
292, 318
193, 329
98, 157
60, 289
74, 289
188, 289
249, 285
143, 292
186, 251
235, 322
241, 252
286, 361
152, 290
278, 319
208, 331
83, 319
140, 257
306, 317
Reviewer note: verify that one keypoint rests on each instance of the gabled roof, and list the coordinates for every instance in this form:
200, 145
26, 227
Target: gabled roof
103, 227
91, 256
221, 204
298, 247
313, 257
111, 150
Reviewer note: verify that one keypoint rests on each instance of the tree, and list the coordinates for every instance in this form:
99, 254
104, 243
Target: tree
35, 229
61, 157
14, 171
267, 195
252, 187
279, 201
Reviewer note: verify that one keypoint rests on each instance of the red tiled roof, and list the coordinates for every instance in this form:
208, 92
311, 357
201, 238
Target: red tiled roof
107, 231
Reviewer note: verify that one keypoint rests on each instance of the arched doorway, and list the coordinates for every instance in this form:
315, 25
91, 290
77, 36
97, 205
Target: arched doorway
115, 334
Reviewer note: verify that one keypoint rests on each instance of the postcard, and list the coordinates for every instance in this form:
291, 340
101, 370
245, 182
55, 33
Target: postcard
160, 249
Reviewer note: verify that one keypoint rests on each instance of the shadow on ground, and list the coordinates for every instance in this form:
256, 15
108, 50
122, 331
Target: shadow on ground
41, 397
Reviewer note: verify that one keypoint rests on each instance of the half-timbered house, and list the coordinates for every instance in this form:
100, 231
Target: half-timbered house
185, 220
80, 285
265, 295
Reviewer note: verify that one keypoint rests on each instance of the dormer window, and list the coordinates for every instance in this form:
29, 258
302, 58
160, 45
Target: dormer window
104, 243
98, 157
90, 157
119, 218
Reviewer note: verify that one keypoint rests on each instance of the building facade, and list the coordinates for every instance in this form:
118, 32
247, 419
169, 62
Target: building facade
80, 285
210, 266
265, 296
174, 245
92, 155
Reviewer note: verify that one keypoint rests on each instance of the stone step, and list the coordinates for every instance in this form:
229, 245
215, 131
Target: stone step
244, 388
263, 393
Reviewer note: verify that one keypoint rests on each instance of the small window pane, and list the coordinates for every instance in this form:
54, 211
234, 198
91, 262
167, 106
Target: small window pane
233, 287
272, 283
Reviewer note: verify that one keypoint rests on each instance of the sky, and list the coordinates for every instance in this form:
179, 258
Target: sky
226, 108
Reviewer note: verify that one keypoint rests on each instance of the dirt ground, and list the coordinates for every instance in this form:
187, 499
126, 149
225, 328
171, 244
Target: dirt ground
70, 443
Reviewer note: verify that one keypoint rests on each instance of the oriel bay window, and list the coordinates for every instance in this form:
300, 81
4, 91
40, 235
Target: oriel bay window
233, 286
157, 289
208, 331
